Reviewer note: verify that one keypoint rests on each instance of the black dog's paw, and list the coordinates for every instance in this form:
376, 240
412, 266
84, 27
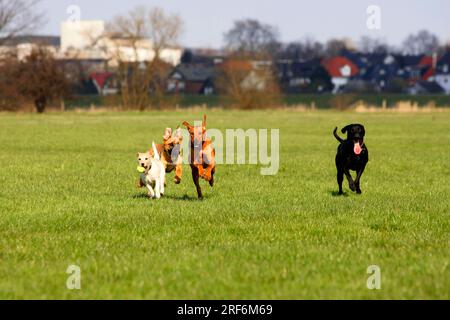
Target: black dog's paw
352, 186
359, 191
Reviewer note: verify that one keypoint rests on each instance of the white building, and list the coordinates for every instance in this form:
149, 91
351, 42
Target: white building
443, 78
80, 35
90, 40
22, 46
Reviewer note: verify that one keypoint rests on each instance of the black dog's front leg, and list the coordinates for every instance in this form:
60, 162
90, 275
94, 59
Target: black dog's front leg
351, 183
358, 179
340, 179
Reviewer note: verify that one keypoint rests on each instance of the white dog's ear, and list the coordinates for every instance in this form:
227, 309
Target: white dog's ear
155, 152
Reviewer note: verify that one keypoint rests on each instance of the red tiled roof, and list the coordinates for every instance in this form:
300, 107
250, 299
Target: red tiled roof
334, 66
427, 61
101, 77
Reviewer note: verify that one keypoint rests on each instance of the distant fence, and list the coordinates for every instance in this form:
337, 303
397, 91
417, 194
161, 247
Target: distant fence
314, 101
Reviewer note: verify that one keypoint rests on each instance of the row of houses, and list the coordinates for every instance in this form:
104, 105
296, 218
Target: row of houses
83, 45
346, 73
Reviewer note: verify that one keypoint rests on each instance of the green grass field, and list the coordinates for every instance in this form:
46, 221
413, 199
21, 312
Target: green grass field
68, 196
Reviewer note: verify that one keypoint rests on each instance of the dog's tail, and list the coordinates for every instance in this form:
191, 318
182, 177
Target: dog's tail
155, 152
337, 136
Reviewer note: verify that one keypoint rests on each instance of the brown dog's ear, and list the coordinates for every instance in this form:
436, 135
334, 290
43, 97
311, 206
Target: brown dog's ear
188, 126
178, 137
167, 134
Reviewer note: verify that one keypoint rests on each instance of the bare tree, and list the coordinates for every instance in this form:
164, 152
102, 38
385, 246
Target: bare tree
251, 37
10, 98
130, 30
42, 78
443, 49
248, 85
305, 49
164, 30
424, 42
38, 78
334, 47
141, 76
17, 17
372, 45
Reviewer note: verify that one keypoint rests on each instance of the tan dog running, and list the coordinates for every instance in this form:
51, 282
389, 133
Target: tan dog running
170, 153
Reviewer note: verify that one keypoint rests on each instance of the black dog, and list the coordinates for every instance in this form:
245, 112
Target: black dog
353, 155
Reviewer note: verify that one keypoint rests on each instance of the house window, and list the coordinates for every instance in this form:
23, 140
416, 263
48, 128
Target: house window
346, 71
389, 60
296, 82
415, 74
209, 91
171, 85
177, 76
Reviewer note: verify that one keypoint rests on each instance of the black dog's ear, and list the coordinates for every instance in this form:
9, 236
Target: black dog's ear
344, 130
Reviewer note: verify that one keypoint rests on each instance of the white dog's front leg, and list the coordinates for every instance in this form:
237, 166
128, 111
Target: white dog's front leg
158, 189
162, 183
151, 193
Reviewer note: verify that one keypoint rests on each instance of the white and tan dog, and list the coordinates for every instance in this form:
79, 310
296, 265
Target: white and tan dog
154, 177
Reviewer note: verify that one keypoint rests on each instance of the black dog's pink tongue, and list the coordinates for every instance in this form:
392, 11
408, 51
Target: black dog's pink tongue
357, 149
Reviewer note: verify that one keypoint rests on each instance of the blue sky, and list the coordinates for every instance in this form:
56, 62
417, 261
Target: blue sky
207, 20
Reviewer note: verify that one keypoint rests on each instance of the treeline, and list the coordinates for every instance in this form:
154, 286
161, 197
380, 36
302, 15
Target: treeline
254, 37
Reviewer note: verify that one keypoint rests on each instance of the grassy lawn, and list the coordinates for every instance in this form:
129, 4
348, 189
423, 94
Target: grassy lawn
68, 196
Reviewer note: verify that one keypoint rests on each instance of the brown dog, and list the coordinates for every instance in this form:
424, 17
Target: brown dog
170, 153
202, 156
